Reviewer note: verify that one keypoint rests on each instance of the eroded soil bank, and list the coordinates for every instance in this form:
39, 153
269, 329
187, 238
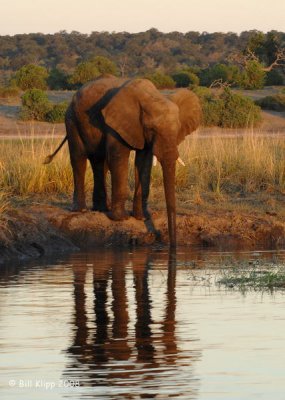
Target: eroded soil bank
40, 230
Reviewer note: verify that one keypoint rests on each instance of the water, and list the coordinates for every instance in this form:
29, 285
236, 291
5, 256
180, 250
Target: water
132, 325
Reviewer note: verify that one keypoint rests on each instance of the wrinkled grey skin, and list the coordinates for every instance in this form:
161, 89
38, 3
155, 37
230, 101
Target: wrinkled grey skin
108, 118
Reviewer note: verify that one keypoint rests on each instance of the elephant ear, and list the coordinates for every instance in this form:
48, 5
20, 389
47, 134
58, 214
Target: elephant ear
123, 115
190, 112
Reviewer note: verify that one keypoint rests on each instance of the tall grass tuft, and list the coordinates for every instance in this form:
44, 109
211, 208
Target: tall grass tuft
242, 163
22, 172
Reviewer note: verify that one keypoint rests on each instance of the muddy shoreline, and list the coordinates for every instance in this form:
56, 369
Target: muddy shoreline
45, 230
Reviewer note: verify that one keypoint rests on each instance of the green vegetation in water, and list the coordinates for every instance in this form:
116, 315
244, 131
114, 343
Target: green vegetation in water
254, 278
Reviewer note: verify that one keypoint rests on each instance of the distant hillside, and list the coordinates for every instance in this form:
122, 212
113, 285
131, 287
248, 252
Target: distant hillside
135, 53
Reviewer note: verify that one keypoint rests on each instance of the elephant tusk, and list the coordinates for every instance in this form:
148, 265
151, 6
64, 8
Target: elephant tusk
181, 161
154, 161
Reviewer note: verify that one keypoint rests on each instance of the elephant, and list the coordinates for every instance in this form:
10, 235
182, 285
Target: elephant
111, 116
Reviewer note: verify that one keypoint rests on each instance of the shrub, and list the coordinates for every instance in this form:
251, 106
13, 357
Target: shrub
252, 77
161, 81
35, 105
239, 111
276, 102
84, 72
185, 79
31, 77
57, 79
212, 106
227, 109
222, 72
57, 113
104, 65
7, 92
274, 77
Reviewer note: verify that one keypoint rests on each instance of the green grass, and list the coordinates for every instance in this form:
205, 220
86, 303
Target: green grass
256, 279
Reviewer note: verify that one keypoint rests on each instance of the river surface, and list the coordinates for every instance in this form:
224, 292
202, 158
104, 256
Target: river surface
139, 325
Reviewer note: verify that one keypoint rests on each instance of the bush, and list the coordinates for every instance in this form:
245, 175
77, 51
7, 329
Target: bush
275, 103
84, 72
161, 81
252, 77
212, 106
227, 109
31, 77
222, 72
7, 92
57, 79
239, 111
104, 65
35, 105
274, 77
185, 79
57, 113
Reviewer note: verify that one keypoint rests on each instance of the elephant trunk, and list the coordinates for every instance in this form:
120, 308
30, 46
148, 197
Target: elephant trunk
168, 169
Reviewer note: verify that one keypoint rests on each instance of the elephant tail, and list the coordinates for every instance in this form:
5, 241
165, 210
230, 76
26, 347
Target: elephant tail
49, 158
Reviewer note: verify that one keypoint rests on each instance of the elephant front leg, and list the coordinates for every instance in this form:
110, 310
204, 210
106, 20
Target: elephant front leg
118, 160
79, 169
143, 165
100, 198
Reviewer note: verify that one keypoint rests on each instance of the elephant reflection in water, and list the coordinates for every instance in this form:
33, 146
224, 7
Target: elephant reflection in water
108, 353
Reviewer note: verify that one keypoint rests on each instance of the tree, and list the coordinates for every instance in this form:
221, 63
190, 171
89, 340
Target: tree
220, 72
185, 79
84, 72
161, 81
253, 76
35, 105
31, 77
262, 55
274, 77
57, 79
104, 65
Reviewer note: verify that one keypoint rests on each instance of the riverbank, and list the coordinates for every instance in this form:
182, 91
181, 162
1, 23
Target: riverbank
42, 230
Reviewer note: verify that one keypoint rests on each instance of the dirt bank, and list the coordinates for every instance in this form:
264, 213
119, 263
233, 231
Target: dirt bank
44, 230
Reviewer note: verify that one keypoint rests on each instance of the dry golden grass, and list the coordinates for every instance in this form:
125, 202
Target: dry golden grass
215, 164
22, 172
248, 163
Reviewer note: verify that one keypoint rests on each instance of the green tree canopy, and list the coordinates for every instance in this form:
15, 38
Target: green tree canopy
35, 105
57, 79
253, 76
185, 79
104, 65
31, 77
222, 72
161, 81
84, 72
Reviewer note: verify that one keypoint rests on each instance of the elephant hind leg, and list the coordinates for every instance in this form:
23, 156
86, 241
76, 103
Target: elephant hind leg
100, 197
79, 169
143, 165
78, 161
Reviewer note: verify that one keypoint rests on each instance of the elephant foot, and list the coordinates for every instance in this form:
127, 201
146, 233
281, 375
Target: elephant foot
141, 215
78, 208
117, 215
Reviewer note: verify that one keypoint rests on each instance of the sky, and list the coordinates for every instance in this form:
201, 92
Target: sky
86, 16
